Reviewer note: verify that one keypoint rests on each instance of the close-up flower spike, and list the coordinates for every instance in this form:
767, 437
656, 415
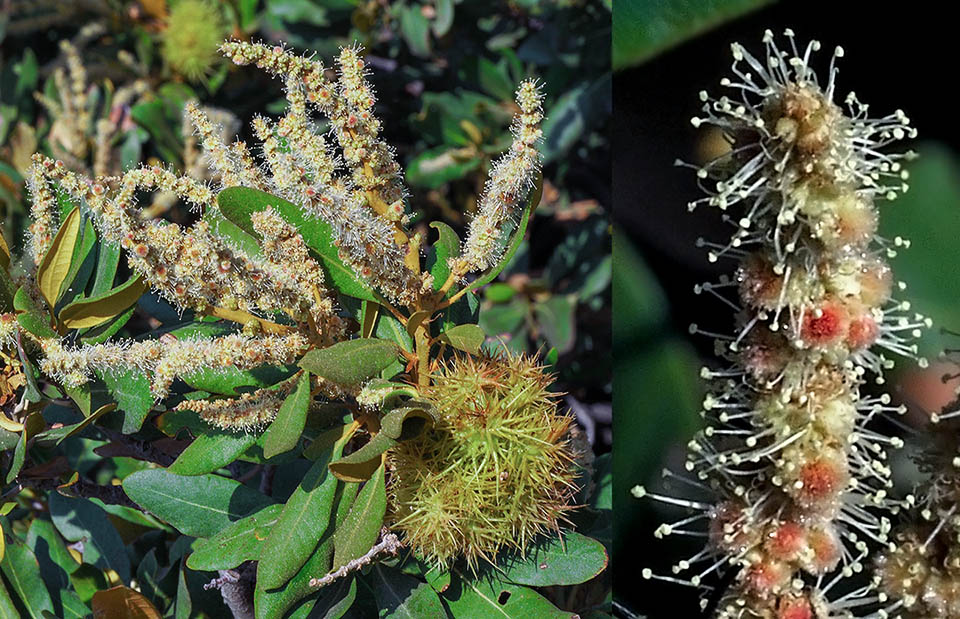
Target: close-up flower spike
801, 480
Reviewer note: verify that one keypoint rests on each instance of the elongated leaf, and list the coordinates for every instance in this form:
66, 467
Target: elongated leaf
108, 260
32, 426
82, 263
107, 330
96, 310
199, 506
352, 362
238, 203
55, 265
446, 247
8, 610
23, 573
402, 596
284, 432
571, 561
269, 604
82, 519
211, 451
241, 541
58, 435
360, 530
512, 243
303, 521
468, 338
56, 562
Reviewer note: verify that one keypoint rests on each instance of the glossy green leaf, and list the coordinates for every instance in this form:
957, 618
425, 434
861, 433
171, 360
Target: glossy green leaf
573, 560
22, 571
285, 430
241, 541
352, 362
211, 451
269, 604
447, 246
199, 506
81, 519
361, 529
404, 597
302, 522
643, 29
238, 203
468, 338
491, 597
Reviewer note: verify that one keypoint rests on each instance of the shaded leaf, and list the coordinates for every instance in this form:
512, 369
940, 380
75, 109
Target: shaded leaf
81, 519
22, 571
402, 596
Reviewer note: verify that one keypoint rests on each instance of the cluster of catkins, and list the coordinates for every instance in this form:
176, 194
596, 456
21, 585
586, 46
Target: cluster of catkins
800, 478
346, 176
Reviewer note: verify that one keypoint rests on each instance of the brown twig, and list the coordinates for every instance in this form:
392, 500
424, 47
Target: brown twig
389, 546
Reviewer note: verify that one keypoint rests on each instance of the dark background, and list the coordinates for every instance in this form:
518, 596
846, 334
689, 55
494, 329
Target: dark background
896, 57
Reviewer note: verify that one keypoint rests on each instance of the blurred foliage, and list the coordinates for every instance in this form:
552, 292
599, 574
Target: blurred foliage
928, 265
644, 28
445, 74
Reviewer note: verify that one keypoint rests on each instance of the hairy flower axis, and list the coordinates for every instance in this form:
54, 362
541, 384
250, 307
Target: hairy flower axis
511, 178
800, 481
249, 412
920, 571
168, 358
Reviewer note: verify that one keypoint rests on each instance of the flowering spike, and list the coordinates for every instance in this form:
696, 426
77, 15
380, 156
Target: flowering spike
800, 478
511, 179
